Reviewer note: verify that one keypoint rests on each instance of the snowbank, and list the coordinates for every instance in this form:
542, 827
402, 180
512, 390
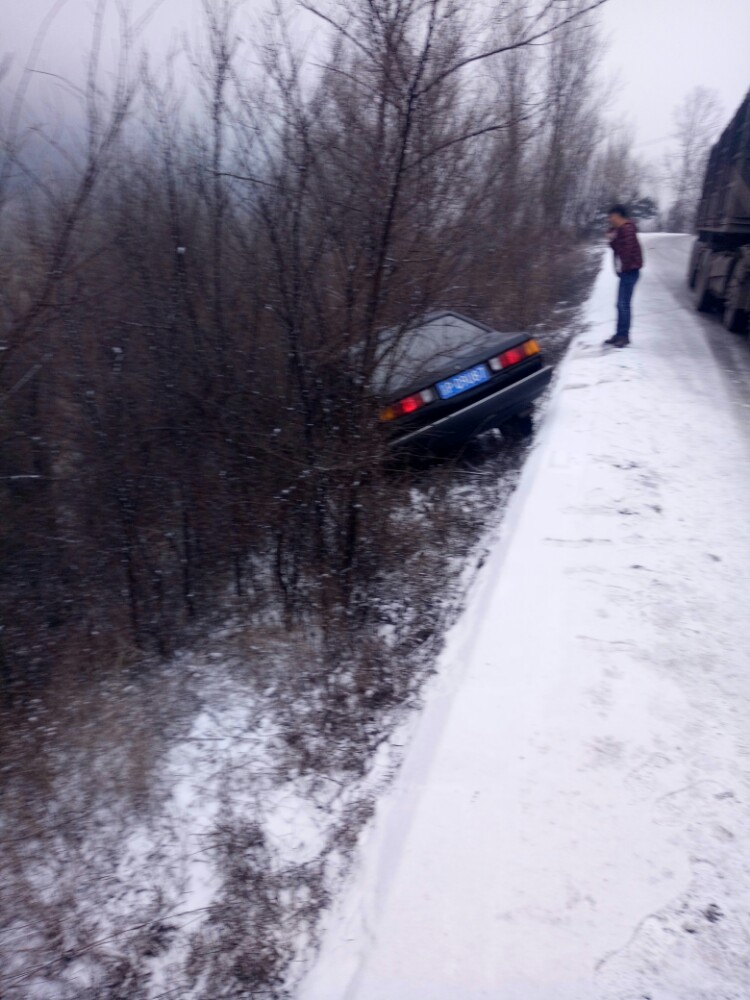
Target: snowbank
572, 820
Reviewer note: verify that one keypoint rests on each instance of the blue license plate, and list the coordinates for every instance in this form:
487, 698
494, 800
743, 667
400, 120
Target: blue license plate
464, 381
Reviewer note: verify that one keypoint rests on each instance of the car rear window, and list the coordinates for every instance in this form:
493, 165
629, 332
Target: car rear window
429, 349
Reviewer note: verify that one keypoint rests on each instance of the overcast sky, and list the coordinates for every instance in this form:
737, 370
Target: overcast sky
658, 49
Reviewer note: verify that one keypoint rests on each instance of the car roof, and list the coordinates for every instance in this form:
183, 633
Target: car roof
442, 343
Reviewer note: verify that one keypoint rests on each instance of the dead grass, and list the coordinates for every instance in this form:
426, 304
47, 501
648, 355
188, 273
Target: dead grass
79, 773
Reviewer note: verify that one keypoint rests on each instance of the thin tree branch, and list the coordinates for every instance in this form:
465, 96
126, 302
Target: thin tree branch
521, 43
485, 130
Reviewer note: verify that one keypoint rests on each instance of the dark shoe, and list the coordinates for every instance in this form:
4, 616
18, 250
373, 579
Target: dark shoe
617, 341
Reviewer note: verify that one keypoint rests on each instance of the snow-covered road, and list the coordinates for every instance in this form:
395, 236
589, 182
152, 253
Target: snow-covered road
572, 819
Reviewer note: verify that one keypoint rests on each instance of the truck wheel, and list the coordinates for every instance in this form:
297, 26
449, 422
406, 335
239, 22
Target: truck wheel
695, 259
735, 317
704, 299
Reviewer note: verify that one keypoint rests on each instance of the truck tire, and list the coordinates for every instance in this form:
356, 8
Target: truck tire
735, 317
704, 298
693, 266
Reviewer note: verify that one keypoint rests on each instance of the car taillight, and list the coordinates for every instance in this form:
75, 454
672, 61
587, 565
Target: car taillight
409, 404
513, 356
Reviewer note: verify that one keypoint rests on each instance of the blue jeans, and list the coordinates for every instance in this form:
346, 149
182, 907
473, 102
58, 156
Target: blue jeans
624, 295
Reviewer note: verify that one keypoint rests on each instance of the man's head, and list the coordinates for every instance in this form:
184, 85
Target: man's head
618, 215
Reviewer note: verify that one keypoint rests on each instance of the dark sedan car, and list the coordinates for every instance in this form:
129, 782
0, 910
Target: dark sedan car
452, 378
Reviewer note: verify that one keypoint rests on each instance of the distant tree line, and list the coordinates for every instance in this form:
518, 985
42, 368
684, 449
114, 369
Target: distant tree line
697, 119
191, 301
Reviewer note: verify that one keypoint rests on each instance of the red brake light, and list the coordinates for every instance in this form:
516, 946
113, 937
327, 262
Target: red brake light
514, 355
511, 357
407, 405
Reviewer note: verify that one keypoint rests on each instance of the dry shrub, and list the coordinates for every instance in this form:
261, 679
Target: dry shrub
79, 776
253, 930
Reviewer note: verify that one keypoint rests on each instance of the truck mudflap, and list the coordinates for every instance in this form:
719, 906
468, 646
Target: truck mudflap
737, 297
712, 281
695, 262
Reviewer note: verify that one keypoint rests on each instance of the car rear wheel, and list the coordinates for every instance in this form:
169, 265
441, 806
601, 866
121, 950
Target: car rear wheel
518, 428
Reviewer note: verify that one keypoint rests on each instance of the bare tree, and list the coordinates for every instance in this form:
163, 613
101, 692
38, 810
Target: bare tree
615, 175
214, 303
697, 120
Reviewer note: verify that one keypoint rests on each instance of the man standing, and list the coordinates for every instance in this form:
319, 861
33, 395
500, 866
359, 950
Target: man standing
623, 237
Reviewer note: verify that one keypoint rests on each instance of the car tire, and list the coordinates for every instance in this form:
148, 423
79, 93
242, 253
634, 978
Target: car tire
518, 428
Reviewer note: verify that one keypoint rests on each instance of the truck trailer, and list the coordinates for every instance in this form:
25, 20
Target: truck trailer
719, 271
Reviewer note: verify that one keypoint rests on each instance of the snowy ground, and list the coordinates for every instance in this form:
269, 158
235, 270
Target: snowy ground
180, 836
572, 820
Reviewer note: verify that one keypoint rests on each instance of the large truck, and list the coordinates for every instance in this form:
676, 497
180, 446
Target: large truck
719, 269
